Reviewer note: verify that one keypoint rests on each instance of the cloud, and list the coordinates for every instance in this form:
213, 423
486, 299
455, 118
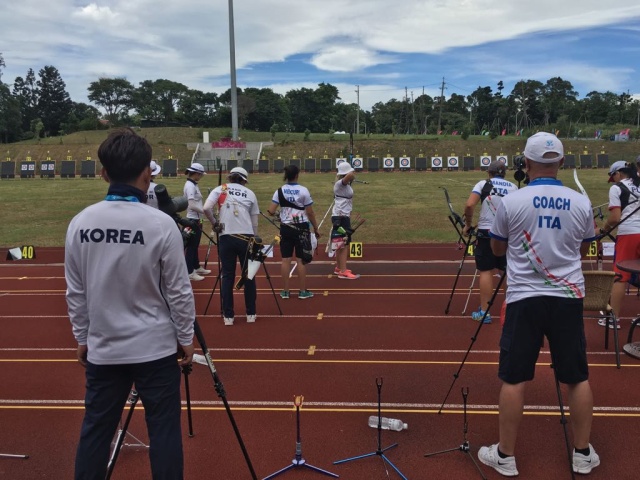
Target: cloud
373, 43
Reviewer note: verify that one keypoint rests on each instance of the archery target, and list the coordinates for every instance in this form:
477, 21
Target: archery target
503, 158
356, 163
388, 162
485, 161
452, 162
340, 160
405, 162
436, 162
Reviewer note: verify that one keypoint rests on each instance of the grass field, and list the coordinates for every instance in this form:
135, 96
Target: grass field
399, 207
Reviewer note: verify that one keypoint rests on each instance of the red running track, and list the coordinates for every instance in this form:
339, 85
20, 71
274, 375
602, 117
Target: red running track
389, 324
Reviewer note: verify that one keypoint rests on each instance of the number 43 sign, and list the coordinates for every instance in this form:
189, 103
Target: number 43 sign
355, 249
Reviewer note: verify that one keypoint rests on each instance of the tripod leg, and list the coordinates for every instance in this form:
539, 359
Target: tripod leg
473, 339
221, 393
212, 292
464, 256
473, 281
266, 273
563, 418
133, 400
186, 370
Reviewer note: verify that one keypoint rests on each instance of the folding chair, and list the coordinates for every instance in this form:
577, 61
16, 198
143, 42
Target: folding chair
598, 285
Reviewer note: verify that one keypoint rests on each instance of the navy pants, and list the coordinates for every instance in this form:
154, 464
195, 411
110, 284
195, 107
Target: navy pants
233, 249
107, 390
191, 249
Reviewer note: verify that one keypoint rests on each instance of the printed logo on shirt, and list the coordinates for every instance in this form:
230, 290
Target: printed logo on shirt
111, 235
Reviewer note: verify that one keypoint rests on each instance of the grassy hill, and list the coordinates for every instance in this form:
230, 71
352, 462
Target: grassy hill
173, 141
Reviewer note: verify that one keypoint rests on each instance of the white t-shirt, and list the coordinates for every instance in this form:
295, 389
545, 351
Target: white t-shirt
544, 224
501, 187
343, 199
192, 192
299, 196
152, 200
239, 211
632, 224
128, 294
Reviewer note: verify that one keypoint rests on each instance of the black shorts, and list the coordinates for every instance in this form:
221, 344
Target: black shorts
290, 240
485, 259
527, 322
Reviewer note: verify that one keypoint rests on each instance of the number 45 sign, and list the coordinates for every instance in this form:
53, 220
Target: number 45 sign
355, 249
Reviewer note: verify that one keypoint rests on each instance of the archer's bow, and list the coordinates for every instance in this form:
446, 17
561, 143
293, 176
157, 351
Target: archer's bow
455, 219
599, 250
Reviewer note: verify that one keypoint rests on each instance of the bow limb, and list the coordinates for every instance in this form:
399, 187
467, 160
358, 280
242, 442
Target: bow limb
458, 219
599, 248
455, 219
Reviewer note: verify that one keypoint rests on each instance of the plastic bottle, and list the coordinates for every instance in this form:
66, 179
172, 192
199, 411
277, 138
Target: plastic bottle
387, 423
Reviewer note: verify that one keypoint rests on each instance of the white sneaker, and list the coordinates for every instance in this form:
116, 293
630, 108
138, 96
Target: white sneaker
193, 276
228, 321
584, 464
504, 466
203, 271
251, 318
603, 323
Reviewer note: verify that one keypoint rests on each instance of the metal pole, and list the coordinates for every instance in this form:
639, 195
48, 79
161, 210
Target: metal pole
232, 58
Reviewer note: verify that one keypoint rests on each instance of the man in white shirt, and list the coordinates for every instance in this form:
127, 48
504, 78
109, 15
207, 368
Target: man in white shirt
132, 311
544, 229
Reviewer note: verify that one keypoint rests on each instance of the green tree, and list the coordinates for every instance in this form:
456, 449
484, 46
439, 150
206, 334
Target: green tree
159, 99
557, 98
2, 66
198, 109
10, 117
270, 108
115, 95
526, 96
54, 104
26, 91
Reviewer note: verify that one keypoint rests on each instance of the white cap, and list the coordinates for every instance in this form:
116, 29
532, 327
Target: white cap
196, 168
155, 168
344, 168
540, 144
240, 171
617, 166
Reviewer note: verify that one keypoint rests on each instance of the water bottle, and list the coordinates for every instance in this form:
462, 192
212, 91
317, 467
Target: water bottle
387, 423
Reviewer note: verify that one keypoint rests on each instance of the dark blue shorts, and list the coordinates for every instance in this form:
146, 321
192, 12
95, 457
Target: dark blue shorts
485, 259
291, 240
527, 322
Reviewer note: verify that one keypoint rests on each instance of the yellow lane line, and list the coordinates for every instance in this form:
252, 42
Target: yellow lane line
340, 410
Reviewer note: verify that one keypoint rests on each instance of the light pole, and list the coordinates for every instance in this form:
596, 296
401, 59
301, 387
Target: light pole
234, 94
517, 113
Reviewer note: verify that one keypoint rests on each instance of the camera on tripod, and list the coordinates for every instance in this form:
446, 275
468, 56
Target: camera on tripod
171, 206
520, 175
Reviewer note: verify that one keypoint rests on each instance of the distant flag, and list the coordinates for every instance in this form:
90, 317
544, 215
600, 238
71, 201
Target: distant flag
504, 132
557, 133
455, 132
